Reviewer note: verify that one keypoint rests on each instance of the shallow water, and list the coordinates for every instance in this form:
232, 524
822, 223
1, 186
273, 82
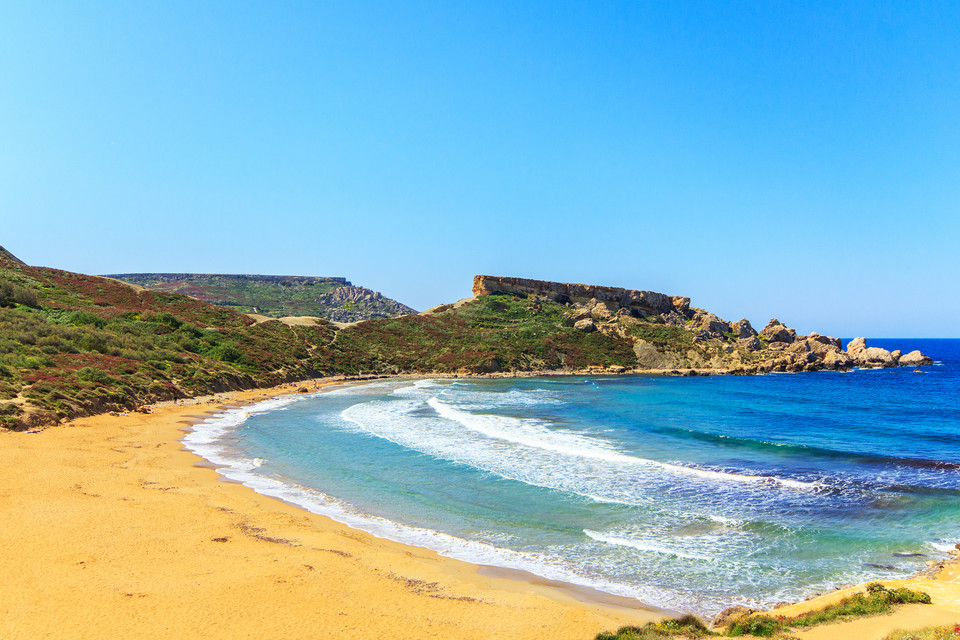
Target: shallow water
688, 493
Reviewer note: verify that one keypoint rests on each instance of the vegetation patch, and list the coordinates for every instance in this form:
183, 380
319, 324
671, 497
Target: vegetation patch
877, 599
950, 632
276, 296
687, 626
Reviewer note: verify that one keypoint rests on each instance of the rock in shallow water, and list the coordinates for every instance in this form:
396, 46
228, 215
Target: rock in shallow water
915, 358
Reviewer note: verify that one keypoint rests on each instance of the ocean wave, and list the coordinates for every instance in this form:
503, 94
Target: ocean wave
534, 434
944, 546
235, 466
645, 545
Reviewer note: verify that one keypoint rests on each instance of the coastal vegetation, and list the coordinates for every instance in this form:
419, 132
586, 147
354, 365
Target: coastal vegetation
687, 626
877, 599
73, 344
276, 296
951, 632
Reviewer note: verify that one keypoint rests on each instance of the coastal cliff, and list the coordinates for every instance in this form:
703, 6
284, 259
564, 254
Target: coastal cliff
641, 302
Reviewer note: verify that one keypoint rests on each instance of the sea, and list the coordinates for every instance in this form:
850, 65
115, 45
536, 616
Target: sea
686, 493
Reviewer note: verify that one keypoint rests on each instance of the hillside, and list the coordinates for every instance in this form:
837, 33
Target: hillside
276, 296
72, 344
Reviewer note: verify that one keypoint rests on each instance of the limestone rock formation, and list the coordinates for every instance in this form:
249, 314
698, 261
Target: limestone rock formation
710, 325
649, 357
776, 331
914, 359
641, 302
864, 356
743, 329
668, 334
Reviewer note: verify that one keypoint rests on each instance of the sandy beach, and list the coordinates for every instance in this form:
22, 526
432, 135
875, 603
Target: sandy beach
112, 530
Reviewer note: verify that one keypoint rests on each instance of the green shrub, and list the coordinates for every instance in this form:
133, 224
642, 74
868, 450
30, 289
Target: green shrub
225, 352
81, 318
877, 599
687, 626
762, 626
12, 295
91, 374
950, 632
168, 319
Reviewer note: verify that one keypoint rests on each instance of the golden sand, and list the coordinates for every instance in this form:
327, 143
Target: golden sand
109, 529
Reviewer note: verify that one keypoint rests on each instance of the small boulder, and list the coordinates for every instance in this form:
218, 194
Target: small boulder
825, 340
601, 311
875, 357
586, 325
751, 343
914, 358
730, 615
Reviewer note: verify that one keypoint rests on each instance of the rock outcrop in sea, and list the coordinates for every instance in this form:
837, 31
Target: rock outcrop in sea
693, 338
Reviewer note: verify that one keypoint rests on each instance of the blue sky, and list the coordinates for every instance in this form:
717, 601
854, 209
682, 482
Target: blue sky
798, 160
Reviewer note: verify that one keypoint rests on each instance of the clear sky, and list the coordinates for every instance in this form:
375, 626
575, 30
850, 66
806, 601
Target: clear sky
790, 159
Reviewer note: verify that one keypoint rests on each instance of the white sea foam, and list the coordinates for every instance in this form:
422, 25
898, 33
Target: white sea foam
419, 418
944, 546
208, 439
535, 434
646, 545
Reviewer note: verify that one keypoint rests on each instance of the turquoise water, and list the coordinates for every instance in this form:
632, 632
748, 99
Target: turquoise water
687, 493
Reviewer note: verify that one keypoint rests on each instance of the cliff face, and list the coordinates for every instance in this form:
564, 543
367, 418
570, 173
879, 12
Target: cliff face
643, 303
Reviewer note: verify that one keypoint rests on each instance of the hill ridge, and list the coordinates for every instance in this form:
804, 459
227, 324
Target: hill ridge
73, 344
331, 298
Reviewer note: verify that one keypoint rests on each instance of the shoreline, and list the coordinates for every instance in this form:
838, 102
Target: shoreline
581, 592
172, 519
113, 513
585, 592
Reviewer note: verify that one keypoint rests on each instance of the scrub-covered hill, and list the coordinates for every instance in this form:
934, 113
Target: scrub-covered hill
72, 344
276, 296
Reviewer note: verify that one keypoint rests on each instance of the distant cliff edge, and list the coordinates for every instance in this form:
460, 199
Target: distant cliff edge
332, 298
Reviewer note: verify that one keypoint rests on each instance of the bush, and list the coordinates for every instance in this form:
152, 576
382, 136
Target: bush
81, 318
168, 319
951, 632
763, 626
877, 599
11, 295
224, 353
687, 626
91, 374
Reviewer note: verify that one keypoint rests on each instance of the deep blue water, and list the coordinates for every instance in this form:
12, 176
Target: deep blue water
689, 493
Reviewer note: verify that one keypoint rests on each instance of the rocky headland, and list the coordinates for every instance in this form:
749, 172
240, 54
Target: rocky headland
700, 340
